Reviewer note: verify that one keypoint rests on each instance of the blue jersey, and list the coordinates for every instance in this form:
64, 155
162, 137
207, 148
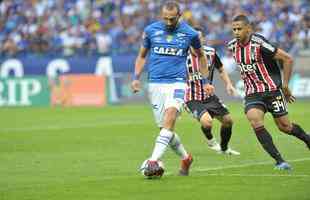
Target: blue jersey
168, 51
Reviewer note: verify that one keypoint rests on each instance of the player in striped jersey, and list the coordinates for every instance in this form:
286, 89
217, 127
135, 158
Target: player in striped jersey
264, 88
204, 107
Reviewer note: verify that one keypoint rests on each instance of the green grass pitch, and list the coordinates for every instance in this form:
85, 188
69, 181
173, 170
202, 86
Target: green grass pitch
95, 153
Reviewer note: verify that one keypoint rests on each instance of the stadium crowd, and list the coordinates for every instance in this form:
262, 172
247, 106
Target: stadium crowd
114, 26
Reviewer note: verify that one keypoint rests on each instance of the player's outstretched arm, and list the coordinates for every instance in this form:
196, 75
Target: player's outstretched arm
287, 72
139, 66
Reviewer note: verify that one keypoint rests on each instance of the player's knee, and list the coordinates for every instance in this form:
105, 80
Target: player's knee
170, 118
227, 122
206, 122
256, 124
207, 125
285, 127
171, 113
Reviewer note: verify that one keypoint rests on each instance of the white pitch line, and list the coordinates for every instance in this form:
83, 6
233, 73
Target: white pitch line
68, 126
248, 165
245, 165
261, 175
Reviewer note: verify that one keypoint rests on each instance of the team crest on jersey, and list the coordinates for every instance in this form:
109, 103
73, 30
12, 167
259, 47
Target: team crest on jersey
181, 41
169, 38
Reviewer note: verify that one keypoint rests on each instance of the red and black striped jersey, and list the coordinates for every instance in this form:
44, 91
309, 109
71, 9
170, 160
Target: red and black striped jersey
194, 89
258, 68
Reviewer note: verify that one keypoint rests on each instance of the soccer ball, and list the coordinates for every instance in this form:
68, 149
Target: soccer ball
145, 165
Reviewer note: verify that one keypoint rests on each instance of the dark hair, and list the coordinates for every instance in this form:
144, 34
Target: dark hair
242, 18
170, 5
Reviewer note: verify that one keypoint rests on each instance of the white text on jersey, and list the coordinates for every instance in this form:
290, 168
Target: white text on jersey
168, 51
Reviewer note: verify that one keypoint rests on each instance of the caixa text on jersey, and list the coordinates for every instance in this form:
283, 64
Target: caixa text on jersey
169, 51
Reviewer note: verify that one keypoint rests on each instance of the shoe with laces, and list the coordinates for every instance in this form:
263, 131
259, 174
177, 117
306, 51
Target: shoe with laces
230, 151
283, 166
212, 144
185, 165
153, 169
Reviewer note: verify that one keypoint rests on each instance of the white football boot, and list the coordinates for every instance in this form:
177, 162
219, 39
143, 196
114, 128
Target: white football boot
212, 144
230, 151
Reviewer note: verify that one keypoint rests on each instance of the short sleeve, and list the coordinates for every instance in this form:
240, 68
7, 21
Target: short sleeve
268, 49
195, 42
146, 42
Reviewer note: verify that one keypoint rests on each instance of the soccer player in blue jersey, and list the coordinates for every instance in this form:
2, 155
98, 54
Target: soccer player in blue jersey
166, 43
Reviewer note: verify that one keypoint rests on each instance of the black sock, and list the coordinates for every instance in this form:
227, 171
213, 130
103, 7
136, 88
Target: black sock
266, 141
225, 137
207, 132
298, 132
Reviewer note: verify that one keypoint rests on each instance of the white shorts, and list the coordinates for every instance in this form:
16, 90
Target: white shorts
166, 95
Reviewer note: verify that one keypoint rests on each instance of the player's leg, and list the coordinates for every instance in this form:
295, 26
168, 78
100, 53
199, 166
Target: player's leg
255, 108
157, 98
167, 102
277, 105
165, 118
206, 127
199, 111
175, 141
186, 158
177, 146
226, 132
219, 110
255, 115
167, 137
293, 129
175, 102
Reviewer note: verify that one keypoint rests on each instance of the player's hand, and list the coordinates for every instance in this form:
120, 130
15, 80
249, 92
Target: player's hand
209, 89
135, 86
288, 95
231, 90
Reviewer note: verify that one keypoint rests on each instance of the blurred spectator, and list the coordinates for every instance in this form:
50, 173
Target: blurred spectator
103, 41
304, 33
9, 47
115, 26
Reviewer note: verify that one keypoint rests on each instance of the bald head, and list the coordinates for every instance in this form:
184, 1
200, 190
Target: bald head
170, 13
171, 5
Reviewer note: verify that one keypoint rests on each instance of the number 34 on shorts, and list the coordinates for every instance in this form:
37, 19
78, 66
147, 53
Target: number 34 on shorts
279, 104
